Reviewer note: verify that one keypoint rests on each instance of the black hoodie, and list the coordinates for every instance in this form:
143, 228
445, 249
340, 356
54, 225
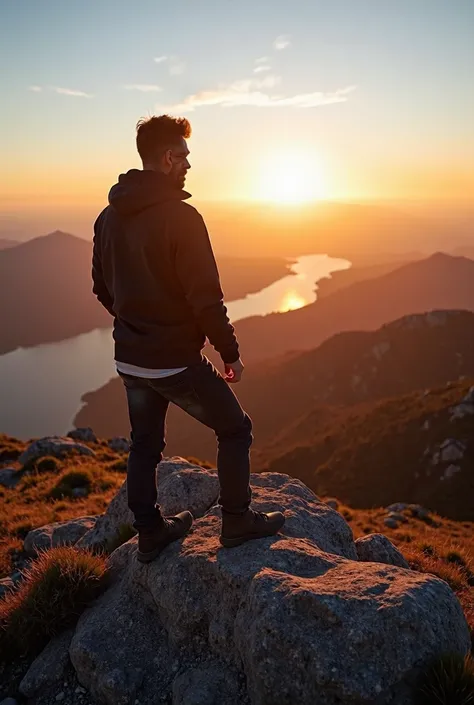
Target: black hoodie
154, 270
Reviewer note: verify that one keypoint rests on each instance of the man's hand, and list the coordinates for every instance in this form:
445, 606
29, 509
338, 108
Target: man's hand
233, 372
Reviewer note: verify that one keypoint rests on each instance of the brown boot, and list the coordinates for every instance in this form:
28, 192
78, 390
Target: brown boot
236, 529
152, 542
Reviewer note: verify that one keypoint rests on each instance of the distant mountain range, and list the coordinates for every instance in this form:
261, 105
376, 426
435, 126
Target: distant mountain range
46, 288
438, 282
415, 352
45, 292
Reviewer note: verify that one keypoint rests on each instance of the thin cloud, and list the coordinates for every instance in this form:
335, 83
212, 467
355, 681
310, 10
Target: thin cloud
176, 65
282, 42
262, 60
70, 91
143, 87
35, 89
261, 68
250, 92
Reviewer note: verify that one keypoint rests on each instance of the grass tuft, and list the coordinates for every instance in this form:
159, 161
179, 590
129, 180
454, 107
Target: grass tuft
57, 587
448, 681
69, 481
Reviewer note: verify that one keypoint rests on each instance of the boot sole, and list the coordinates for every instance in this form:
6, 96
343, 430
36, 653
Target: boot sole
239, 540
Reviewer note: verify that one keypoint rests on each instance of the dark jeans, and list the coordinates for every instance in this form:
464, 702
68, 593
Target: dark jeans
204, 394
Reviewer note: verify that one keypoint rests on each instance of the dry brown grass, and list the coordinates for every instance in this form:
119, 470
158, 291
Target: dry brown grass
42, 497
57, 587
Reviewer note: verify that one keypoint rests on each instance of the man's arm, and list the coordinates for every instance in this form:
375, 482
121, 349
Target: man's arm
197, 271
99, 287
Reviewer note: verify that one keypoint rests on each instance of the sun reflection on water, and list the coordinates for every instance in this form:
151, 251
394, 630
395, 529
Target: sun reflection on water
291, 301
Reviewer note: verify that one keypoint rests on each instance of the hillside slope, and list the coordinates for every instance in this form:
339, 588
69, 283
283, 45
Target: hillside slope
418, 447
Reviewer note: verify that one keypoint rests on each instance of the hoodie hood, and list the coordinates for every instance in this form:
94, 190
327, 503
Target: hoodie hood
137, 190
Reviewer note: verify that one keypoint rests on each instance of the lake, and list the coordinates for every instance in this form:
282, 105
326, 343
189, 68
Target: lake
41, 387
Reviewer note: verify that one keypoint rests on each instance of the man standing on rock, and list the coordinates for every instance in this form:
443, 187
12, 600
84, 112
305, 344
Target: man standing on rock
154, 270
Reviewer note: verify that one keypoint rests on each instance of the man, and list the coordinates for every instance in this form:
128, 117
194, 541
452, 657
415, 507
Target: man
154, 270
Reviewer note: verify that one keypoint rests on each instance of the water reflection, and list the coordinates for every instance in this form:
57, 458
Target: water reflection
41, 387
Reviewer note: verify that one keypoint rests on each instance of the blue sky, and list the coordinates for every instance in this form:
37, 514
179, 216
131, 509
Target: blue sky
380, 91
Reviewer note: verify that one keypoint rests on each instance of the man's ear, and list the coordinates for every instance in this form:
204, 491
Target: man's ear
166, 161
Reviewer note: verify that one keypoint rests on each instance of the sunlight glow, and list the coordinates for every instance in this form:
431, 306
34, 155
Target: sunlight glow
292, 177
291, 301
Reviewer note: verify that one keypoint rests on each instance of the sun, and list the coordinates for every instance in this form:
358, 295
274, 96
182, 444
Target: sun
291, 177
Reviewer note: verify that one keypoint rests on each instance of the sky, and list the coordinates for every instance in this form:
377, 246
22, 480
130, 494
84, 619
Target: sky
348, 99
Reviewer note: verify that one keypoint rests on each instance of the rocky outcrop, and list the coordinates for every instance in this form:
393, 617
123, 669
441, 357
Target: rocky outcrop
180, 486
57, 446
297, 618
60, 533
309, 616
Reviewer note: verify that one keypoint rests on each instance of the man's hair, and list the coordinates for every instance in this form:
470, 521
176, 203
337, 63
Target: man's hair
160, 133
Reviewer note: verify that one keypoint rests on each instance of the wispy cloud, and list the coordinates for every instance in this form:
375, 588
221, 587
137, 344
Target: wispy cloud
143, 87
176, 65
262, 64
70, 91
35, 89
282, 42
251, 92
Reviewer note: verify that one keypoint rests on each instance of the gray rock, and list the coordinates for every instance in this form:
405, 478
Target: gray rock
450, 471
119, 444
397, 507
418, 511
6, 585
398, 516
9, 701
60, 533
333, 503
451, 450
298, 613
196, 490
208, 684
49, 667
9, 477
57, 446
377, 548
83, 434
391, 523
120, 648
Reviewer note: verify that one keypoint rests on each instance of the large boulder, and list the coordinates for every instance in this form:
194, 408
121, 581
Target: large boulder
181, 485
60, 533
57, 446
297, 618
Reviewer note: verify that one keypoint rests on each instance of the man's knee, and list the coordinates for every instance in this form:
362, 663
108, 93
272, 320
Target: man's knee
241, 431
